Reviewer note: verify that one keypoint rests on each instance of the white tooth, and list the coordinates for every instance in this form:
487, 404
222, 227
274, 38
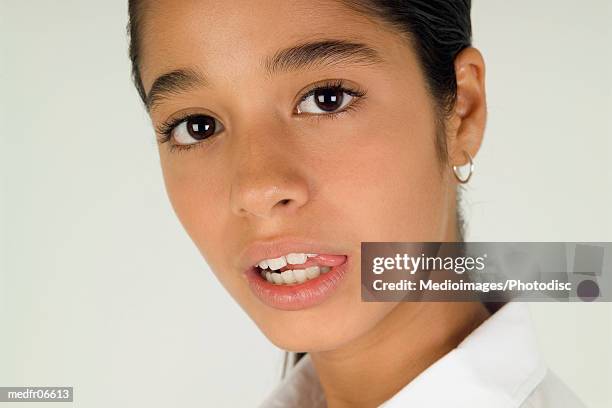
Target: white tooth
263, 264
278, 279
288, 276
312, 272
276, 263
263, 274
325, 269
299, 275
311, 255
296, 259
269, 277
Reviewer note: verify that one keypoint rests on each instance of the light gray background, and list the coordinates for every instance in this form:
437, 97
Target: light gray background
102, 290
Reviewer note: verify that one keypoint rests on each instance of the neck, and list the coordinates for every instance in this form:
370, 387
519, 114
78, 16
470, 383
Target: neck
371, 369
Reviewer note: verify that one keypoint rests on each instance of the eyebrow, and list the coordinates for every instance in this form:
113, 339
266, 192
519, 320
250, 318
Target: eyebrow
172, 83
305, 55
323, 53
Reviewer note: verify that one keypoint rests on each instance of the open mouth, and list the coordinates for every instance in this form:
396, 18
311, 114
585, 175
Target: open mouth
307, 267
296, 281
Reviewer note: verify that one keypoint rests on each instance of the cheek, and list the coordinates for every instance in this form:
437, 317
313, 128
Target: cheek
404, 202
194, 196
388, 181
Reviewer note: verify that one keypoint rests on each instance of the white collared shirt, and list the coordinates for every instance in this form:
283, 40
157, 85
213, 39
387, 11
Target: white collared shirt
497, 366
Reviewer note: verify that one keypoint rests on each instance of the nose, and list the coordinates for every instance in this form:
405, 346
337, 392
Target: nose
267, 182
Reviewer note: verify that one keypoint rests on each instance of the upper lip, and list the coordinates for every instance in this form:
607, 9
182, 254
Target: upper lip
259, 250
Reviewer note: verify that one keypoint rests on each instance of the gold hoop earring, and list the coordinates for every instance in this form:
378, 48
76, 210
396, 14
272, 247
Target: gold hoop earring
456, 171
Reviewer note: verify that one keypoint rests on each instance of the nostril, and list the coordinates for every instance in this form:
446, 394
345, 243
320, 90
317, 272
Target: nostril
285, 201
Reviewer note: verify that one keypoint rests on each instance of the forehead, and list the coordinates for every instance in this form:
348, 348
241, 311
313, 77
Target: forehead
228, 37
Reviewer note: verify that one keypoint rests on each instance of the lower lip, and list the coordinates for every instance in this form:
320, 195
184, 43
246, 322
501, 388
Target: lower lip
297, 296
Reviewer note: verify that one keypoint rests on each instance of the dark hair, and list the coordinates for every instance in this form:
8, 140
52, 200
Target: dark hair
437, 29
134, 30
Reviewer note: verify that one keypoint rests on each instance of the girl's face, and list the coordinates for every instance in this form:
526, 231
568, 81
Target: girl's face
261, 159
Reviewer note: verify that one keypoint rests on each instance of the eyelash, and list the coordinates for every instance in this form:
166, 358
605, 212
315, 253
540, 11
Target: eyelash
337, 85
165, 129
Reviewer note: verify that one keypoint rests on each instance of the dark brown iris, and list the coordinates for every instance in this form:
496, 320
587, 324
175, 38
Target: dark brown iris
201, 127
328, 99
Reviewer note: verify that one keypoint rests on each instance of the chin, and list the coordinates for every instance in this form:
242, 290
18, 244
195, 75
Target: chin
322, 328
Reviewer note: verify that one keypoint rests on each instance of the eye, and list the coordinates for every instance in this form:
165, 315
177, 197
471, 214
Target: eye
194, 129
327, 99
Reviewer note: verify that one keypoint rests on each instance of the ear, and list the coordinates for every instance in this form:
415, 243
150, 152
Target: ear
467, 123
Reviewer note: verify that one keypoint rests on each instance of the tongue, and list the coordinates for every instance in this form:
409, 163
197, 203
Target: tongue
319, 260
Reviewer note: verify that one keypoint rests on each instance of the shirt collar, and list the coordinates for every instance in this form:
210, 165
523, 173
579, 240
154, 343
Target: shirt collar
497, 365
299, 389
